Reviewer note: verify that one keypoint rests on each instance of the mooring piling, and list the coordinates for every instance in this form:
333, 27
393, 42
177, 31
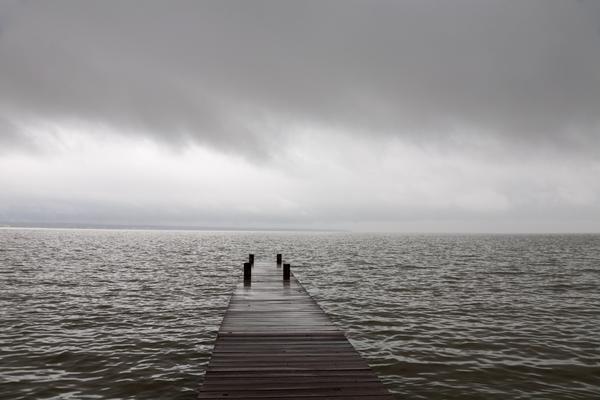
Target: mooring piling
286, 272
247, 272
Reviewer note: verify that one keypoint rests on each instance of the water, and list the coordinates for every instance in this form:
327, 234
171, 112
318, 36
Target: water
92, 314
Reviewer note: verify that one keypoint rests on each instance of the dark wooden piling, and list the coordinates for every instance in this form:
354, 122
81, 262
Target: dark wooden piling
275, 342
247, 272
279, 259
286, 272
251, 259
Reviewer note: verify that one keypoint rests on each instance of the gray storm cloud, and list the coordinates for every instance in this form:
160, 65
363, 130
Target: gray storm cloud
234, 74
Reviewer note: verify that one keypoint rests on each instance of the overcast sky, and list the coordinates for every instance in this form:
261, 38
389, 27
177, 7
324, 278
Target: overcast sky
434, 116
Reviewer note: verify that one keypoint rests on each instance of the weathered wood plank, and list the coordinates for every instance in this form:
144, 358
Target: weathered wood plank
276, 342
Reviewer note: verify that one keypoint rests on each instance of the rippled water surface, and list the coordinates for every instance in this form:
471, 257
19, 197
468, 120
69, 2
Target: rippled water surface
99, 314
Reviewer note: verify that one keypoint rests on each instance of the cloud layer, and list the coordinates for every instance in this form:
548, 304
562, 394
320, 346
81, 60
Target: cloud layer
235, 74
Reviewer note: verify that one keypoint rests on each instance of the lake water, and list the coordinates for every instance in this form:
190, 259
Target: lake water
108, 314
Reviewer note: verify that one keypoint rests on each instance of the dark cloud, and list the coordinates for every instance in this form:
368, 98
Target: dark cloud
235, 74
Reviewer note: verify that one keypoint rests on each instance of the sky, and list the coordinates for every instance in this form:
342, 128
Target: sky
408, 116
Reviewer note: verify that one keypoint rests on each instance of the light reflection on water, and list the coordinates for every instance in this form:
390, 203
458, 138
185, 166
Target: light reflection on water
133, 314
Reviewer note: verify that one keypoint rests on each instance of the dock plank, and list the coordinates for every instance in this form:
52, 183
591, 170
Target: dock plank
276, 342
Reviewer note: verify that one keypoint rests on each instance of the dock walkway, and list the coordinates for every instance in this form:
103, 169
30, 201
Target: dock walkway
276, 342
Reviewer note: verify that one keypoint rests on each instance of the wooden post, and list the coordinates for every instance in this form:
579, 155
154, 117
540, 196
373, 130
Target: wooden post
251, 259
286, 272
247, 272
278, 259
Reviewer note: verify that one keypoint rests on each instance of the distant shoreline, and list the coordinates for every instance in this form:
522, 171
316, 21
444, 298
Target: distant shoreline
82, 226
4, 225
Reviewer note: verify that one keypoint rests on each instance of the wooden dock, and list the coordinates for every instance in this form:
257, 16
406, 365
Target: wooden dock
276, 342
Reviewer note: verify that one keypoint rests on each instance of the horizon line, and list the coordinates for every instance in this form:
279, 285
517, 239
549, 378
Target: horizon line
199, 228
